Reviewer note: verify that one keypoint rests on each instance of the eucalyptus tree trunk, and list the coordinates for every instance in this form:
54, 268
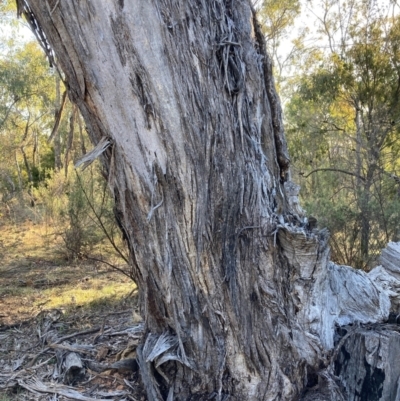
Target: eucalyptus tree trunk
234, 284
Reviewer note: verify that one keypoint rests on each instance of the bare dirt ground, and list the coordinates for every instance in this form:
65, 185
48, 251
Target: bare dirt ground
67, 330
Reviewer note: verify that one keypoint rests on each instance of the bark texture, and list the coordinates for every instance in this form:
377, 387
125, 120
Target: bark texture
235, 284
368, 364
363, 359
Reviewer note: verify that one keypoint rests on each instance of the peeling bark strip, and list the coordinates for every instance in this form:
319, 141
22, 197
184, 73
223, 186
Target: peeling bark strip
232, 280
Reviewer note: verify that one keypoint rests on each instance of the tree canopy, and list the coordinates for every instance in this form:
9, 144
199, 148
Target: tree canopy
343, 129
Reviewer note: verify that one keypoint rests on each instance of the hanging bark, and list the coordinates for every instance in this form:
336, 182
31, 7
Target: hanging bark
239, 298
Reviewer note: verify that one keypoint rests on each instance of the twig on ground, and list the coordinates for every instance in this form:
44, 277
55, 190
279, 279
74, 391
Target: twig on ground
60, 340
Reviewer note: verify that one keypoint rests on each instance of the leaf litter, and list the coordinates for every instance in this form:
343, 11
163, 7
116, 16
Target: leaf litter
63, 357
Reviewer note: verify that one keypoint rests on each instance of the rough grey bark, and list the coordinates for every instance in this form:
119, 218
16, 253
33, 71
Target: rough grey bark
235, 284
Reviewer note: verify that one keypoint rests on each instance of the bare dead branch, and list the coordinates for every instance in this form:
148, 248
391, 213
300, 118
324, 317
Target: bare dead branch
335, 170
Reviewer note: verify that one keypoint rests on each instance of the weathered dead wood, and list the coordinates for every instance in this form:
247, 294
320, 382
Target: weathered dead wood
367, 364
37, 387
364, 364
73, 366
83, 349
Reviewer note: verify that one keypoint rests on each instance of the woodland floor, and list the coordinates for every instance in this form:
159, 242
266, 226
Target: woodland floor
51, 308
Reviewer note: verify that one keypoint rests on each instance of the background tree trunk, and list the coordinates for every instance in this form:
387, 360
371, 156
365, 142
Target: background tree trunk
55, 135
232, 280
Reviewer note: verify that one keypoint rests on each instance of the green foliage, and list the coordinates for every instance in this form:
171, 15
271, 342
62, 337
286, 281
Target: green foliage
26, 96
37, 180
9, 24
343, 125
79, 208
277, 18
82, 232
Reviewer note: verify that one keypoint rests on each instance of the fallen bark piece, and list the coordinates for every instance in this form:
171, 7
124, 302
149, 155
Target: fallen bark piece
36, 386
74, 369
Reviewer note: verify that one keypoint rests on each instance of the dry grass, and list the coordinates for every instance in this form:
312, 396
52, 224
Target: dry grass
34, 276
24, 243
